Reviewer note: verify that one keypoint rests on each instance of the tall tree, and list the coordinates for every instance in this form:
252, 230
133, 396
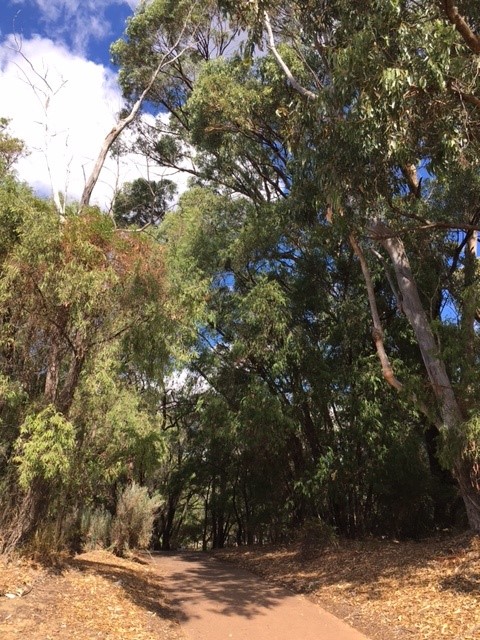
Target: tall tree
370, 109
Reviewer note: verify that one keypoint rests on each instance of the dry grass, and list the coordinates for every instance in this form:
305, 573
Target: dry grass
417, 590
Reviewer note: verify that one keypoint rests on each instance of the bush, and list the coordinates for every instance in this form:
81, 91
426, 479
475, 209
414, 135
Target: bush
46, 544
96, 528
316, 535
133, 522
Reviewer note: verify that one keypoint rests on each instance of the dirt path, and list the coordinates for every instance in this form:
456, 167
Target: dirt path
217, 601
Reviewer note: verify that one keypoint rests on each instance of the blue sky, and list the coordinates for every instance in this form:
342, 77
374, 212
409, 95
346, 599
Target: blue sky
61, 93
84, 26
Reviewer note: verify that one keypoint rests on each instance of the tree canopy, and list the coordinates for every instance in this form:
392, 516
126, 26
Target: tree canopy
295, 339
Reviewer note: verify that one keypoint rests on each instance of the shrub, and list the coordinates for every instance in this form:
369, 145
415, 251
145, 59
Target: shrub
96, 528
133, 522
316, 535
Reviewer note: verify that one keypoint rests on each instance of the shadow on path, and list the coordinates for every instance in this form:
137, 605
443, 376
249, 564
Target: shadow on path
214, 601
193, 579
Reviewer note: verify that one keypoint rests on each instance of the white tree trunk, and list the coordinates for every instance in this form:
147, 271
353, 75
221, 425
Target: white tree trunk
466, 469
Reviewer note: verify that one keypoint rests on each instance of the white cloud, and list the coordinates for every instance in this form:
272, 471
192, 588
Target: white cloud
62, 110
75, 21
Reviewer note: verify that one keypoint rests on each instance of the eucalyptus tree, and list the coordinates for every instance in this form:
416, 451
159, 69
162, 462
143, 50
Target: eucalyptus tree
389, 93
69, 289
364, 118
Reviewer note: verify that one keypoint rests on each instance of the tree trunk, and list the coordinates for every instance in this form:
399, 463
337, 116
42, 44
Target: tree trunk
65, 397
53, 374
469, 310
466, 472
168, 524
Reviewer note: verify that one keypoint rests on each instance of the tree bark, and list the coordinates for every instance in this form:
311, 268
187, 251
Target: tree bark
466, 468
462, 26
415, 313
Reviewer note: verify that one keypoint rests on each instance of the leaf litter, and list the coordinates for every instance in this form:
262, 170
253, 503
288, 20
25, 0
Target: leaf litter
389, 590
95, 595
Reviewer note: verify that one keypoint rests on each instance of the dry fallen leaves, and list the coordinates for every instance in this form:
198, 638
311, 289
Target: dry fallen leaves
95, 595
418, 590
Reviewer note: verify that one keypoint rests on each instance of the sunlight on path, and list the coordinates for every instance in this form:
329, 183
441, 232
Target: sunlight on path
217, 601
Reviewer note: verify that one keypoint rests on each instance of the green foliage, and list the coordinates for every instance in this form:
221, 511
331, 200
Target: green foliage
157, 28
143, 202
45, 448
11, 149
119, 434
279, 418
133, 522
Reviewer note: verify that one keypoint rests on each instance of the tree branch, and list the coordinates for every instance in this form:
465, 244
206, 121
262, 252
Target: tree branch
466, 97
124, 122
294, 83
377, 331
461, 25
414, 183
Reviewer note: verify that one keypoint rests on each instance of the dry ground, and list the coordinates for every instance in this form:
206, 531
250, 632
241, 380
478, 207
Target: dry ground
391, 591
93, 596
411, 590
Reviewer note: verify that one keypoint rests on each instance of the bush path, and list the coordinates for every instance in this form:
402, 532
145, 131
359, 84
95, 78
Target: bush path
391, 591
216, 601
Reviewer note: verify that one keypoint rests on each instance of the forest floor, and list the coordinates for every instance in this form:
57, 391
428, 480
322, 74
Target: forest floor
94, 596
390, 591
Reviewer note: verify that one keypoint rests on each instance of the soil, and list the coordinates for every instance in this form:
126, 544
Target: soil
388, 590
